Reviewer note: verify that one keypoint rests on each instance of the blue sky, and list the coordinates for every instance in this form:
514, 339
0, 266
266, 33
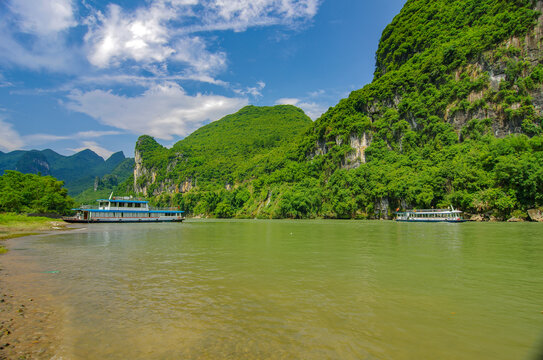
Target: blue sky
78, 74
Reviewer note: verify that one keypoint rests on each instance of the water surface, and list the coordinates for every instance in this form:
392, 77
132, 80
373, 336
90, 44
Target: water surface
296, 290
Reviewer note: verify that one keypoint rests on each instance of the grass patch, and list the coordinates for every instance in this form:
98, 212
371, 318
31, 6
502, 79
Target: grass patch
10, 222
15, 226
7, 236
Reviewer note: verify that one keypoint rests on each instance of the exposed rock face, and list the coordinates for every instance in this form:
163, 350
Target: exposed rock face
535, 215
381, 208
477, 217
489, 65
144, 177
353, 159
491, 68
357, 157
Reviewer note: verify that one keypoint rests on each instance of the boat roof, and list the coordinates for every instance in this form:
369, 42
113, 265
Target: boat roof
430, 211
124, 201
132, 211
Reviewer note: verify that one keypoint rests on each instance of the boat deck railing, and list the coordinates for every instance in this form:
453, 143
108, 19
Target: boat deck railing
164, 208
428, 210
96, 207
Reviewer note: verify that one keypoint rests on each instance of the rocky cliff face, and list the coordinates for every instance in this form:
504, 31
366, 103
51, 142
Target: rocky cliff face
147, 179
500, 85
496, 70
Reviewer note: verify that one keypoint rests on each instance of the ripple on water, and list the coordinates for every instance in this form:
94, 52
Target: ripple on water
308, 289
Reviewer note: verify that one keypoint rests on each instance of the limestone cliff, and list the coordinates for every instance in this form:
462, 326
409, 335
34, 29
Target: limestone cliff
471, 73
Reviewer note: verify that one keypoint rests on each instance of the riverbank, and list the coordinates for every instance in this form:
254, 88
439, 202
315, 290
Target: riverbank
15, 225
28, 319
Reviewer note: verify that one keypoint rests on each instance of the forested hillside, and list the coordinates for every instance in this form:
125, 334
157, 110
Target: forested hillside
220, 154
453, 117
78, 171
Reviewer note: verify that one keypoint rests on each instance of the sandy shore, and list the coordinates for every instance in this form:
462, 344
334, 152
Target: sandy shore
30, 319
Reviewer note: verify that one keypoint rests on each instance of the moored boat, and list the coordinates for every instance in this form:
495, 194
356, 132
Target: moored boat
430, 215
123, 209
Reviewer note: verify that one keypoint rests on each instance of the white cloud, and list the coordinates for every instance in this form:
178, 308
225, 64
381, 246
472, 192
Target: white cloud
44, 138
316, 93
287, 101
255, 91
193, 51
144, 42
164, 30
312, 109
10, 139
238, 15
119, 36
4, 82
43, 17
162, 111
104, 153
44, 24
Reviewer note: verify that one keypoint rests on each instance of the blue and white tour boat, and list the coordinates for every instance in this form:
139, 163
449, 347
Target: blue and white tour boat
431, 215
123, 209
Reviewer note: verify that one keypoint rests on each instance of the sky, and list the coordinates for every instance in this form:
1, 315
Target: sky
94, 74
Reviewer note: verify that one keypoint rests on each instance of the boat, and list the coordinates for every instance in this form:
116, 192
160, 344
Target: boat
123, 210
431, 215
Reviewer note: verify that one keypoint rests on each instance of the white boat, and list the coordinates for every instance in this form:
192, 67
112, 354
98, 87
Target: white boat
123, 209
431, 215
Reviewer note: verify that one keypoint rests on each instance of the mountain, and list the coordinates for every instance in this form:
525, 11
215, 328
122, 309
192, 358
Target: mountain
218, 154
78, 171
452, 118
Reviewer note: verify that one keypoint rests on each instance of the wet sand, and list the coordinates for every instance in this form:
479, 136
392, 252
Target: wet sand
30, 319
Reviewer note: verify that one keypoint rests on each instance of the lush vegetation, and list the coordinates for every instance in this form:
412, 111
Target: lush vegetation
223, 152
119, 181
78, 171
30, 193
449, 77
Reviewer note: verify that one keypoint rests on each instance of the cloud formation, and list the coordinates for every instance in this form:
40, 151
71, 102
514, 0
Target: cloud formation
119, 36
103, 152
147, 38
42, 138
162, 111
44, 25
312, 109
43, 17
10, 139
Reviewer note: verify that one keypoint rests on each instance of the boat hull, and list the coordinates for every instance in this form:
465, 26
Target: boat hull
119, 220
433, 221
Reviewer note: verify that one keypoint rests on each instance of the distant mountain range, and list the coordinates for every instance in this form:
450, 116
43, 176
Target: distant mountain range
79, 171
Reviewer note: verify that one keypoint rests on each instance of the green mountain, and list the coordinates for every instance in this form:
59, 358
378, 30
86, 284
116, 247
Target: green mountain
78, 171
119, 181
452, 117
219, 154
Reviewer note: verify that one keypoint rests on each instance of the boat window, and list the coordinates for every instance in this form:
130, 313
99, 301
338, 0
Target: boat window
137, 205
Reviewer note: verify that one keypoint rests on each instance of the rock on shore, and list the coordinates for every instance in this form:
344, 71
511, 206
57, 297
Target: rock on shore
535, 215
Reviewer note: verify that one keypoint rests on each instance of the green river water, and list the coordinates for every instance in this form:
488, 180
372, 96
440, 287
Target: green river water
295, 290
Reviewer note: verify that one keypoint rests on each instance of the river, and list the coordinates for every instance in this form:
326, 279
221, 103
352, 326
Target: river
248, 289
